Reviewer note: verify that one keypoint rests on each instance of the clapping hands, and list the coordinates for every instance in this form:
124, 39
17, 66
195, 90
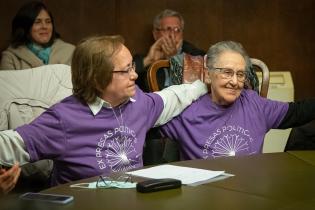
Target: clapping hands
163, 48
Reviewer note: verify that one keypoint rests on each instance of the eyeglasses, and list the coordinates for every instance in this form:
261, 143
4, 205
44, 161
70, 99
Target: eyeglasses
170, 29
128, 70
229, 73
105, 182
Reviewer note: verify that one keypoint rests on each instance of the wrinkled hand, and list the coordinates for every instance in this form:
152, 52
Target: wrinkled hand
155, 53
169, 46
163, 48
8, 178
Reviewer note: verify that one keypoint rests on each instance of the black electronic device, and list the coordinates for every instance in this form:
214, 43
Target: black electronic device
154, 185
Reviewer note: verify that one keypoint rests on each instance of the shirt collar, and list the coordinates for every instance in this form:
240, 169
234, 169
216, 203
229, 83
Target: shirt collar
97, 105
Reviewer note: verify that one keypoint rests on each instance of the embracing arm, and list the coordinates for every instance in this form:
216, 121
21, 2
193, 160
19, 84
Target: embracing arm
177, 97
12, 148
298, 114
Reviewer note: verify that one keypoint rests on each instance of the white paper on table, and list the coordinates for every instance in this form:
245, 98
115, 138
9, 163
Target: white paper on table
187, 175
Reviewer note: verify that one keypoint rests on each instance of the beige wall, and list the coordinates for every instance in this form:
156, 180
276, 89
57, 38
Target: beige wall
279, 32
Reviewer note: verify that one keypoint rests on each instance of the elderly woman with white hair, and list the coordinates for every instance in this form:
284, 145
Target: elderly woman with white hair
231, 120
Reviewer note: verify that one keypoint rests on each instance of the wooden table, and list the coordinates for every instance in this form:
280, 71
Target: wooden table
265, 181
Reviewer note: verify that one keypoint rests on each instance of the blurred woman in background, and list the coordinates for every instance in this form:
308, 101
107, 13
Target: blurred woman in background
34, 40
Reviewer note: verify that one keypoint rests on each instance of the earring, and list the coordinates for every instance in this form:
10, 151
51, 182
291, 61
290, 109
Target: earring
207, 79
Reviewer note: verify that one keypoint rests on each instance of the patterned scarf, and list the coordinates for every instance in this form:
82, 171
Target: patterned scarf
176, 69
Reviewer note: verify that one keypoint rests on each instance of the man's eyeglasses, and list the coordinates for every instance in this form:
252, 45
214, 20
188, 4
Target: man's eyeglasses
128, 70
170, 29
105, 182
229, 73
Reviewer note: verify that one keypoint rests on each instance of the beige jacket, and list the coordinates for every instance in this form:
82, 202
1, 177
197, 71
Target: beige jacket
25, 95
23, 58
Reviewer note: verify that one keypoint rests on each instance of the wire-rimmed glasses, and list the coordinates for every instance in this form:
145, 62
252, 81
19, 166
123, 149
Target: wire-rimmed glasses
170, 30
228, 73
128, 70
105, 181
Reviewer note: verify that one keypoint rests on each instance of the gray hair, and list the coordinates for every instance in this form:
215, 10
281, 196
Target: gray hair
167, 13
217, 49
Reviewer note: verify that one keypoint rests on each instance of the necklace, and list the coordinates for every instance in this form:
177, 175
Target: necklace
120, 122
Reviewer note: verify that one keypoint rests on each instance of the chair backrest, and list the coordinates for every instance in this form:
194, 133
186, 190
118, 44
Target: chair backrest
193, 70
258, 64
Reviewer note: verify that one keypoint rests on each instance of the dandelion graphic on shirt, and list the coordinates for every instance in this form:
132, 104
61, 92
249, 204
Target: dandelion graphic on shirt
119, 152
229, 145
226, 141
116, 150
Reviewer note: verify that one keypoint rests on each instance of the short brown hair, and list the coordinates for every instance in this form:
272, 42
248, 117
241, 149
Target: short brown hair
92, 65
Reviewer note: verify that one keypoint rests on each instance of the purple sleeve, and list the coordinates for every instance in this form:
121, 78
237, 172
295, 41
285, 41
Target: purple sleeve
171, 128
273, 111
149, 104
44, 138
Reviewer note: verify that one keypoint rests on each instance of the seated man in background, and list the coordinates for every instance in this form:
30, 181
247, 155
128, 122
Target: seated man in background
101, 128
231, 120
168, 33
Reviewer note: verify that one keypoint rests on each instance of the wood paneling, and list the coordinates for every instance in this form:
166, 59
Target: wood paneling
279, 32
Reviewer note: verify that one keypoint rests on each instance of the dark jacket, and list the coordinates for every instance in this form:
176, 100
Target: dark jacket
302, 138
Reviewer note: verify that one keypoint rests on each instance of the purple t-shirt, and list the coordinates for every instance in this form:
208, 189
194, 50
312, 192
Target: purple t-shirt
83, 145
207, 130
